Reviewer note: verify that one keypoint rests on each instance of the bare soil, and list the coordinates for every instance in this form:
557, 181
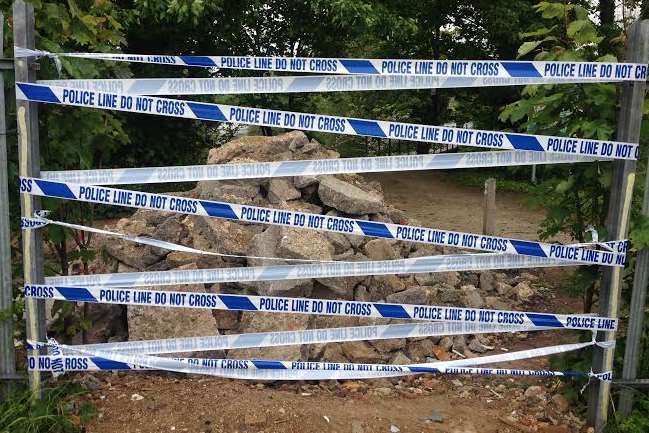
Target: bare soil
174, 403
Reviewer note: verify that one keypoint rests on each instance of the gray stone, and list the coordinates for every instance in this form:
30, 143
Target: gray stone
418, 351
280, 189
477, 346
239, 191
255, 322
304, 244
339, 241
380, 249
224, 236
381, 286
503, 288
400, 358
459, 343
487, 281
471, 297
152, 323
429, 279
523, 292
446, 343
348, 198
388, 345
360, 351
304, 181
257, 148
413, 295
535, 393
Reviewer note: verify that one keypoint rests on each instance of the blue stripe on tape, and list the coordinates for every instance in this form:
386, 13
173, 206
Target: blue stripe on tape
268, 365
76, 294
207, 111
393, 311
107, 364
198, 61
375, 229
524, 142
423, 369
55, 189
549, 320
367, 127
570, 373
355, 66
521, 69
38, 93
219, 210
237, 302
528, 248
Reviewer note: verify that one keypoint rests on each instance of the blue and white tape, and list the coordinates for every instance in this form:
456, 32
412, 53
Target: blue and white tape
277, 370
256, 170
591, 71
325, 123
39, 221
288, 218
299, 84
326, 307
307, 336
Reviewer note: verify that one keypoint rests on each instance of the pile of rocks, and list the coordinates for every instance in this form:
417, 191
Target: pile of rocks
343, 195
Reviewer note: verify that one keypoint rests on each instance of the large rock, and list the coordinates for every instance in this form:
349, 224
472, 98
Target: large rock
304, 244
348, 198
259, 322
281, 189
152, 323
257, 148
265, 244
224, 236
360, 351
415, 295
380, 249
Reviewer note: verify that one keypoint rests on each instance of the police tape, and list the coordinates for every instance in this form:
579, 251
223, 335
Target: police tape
335, 335
256, 170
299, 84
288, 370
325, 123
325, 307
330, 223
320, 271
307, 336
590, 71
39, 221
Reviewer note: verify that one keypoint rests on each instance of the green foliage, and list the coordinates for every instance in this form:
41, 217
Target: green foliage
59, 411
575, 196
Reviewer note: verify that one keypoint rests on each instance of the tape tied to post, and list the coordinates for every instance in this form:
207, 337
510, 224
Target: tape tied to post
325, 307
329, 223
325, 123
583, 71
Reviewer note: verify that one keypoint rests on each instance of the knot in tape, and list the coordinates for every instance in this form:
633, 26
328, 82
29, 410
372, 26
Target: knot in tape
56, 354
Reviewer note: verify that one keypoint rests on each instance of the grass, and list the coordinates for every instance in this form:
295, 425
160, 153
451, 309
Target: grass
59, 411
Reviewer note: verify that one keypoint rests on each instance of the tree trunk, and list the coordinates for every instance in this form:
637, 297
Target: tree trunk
607, 12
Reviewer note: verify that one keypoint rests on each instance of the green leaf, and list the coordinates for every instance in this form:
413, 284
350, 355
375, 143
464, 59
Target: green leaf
527, 48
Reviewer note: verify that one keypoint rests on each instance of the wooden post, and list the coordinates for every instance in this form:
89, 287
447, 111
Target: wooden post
7, 350
29, 165
489, 208
633, 346
628, 130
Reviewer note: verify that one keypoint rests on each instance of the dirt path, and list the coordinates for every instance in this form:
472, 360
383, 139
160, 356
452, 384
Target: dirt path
466, 404
434, 199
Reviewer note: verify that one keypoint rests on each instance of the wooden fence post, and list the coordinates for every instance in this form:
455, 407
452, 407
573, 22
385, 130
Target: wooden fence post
29, 166
489, 208
628, 130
